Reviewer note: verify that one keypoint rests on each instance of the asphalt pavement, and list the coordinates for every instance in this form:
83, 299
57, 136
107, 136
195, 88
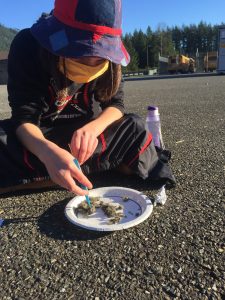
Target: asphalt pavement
177, 253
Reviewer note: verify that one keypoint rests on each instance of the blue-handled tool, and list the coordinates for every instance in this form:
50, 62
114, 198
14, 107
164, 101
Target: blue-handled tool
81, 185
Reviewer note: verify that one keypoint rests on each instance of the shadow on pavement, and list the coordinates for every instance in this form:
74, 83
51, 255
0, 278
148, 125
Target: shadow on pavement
54, 224
19, 220
21, 193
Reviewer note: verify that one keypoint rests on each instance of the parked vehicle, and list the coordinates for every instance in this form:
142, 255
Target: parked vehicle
181, 64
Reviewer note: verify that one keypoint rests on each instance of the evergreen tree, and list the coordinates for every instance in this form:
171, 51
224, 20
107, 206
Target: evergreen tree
177, 38
139, 41
149, 48
134, 62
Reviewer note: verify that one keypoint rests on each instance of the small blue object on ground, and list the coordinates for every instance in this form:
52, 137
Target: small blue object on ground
1, 222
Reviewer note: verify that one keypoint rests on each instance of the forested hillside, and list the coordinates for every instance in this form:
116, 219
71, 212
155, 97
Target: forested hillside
6, 37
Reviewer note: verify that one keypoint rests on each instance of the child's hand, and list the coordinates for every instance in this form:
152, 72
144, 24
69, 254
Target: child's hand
83, 143
58, 162
63, 171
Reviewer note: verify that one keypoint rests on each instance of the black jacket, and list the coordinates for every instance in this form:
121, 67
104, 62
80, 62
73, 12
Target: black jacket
32, 91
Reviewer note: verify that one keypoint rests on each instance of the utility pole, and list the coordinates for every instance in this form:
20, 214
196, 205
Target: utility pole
197, 59
148, 46
161, 43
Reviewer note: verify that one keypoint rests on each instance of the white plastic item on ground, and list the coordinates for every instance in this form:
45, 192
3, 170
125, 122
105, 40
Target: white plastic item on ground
161, 196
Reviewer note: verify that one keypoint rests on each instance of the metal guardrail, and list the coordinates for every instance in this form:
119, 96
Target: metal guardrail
155, 77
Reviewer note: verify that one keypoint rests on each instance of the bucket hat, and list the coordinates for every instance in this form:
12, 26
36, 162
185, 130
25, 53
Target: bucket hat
78, 28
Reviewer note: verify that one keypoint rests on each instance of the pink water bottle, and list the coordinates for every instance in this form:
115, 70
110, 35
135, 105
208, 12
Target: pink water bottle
154, 125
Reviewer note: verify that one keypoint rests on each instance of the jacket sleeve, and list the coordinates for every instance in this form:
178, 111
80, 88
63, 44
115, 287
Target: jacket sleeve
116, 100
27, 88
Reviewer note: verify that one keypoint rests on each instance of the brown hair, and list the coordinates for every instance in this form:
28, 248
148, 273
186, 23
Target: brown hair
106, 85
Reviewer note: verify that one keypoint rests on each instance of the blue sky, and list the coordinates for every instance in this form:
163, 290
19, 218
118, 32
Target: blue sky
136, 14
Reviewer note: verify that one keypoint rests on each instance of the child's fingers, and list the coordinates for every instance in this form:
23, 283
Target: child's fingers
79, 176
72, 186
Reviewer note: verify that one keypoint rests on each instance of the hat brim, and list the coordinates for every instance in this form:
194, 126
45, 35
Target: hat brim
66, 41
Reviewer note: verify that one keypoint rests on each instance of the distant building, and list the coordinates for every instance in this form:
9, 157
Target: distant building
221, 55
163, 65
3, 67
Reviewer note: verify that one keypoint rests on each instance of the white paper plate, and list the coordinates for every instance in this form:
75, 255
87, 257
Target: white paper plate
135, 210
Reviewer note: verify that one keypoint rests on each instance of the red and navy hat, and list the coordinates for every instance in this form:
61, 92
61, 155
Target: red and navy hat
80, 28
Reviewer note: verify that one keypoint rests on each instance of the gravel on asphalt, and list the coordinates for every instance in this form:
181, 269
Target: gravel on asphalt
177, 253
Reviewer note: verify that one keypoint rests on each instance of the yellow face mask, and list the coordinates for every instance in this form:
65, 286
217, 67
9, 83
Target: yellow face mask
81, 73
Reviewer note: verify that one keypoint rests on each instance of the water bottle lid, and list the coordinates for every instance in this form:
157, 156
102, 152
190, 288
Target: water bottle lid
152, 107
153, 110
